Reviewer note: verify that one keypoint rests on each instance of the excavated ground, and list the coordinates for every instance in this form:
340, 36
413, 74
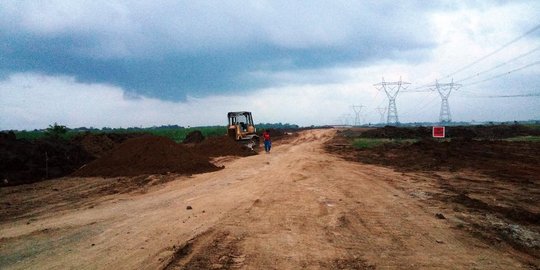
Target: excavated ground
110, 155
491, 186
303, 206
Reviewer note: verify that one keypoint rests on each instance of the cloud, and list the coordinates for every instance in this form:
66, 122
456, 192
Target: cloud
29, 100
172, 49
286, 61
135, 28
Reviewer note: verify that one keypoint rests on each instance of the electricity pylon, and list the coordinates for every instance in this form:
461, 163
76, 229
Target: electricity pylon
357, 109
382, 112
392, 89
444, 90
345, 118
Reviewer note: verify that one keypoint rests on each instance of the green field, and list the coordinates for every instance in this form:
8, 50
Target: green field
177, 134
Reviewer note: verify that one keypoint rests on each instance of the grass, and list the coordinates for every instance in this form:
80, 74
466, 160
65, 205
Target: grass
524, 139
365, 143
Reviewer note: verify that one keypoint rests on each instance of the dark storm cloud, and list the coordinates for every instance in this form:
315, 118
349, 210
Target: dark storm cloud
174, 49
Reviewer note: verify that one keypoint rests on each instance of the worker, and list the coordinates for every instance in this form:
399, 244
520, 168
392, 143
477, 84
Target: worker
267, 141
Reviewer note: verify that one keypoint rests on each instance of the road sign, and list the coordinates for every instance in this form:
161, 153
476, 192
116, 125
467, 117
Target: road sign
438, 132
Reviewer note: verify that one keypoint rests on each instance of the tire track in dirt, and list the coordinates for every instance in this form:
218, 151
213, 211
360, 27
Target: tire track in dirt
298, 207
319, 211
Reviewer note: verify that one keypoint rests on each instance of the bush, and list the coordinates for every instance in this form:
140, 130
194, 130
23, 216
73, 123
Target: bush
56, 131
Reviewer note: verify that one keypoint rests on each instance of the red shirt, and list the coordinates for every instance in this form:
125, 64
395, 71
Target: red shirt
266, 136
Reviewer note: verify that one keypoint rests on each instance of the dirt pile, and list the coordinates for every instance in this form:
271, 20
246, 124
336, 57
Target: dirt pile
99, 144
195, 136
221, 146
147, 155
23, 161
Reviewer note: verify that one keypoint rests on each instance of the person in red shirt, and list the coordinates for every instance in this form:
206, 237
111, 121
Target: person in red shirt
267, 141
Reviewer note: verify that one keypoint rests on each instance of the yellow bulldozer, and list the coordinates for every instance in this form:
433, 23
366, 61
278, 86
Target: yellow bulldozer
242, 129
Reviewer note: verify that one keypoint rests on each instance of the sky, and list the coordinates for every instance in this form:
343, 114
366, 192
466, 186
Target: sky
150, 63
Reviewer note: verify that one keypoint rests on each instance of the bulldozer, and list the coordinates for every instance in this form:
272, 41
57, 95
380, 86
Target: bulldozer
242, 129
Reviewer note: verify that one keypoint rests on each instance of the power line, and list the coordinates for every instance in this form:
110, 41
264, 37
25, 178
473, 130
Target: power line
505, 74
500, 65
508, 96
494, 52
422, 106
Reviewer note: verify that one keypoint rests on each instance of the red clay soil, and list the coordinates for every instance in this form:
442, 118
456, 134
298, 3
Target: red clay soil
147, 155
98, 145
221, 146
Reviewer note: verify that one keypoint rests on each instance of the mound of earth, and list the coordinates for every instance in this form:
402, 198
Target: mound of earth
23, 161
195, 136
222, 146
99, 144
147, 155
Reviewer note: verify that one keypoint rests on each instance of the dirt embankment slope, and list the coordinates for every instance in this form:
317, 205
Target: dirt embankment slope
108, 155
147, 155
297, 207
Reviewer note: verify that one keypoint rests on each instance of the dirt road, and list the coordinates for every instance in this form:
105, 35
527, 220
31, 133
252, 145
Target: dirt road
298, 207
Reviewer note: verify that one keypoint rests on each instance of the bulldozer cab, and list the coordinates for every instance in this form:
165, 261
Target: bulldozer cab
242, 128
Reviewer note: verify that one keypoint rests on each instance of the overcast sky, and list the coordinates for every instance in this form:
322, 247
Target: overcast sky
145, 63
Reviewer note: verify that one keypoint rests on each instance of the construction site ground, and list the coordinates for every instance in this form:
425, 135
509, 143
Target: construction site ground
303, 206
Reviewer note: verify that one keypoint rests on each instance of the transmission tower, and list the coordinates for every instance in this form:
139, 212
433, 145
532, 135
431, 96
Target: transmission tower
392, 89
357, 109
346, 118
444, 90
382, 112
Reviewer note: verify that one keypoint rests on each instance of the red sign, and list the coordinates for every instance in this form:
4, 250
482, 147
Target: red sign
438, 132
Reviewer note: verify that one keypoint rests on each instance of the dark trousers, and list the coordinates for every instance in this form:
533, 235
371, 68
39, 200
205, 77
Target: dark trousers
267, 146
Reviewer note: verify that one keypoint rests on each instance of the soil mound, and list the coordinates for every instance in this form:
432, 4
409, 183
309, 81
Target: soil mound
23, 162
195, 136
147, 155
222, 146
99, 144
96, 145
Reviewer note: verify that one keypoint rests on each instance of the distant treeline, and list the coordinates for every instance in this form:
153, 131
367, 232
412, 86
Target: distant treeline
175, 132
276, 126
